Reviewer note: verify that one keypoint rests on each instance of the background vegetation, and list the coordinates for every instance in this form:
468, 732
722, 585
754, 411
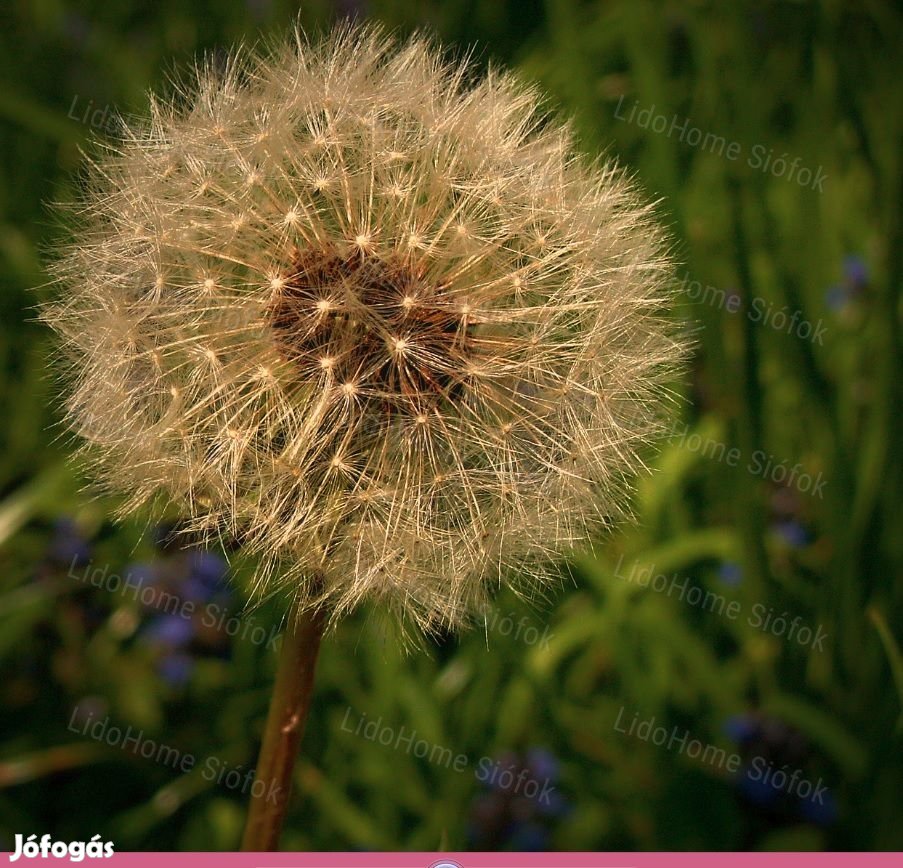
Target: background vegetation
816, 82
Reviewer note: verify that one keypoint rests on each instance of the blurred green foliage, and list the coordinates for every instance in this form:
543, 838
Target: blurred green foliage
818, 82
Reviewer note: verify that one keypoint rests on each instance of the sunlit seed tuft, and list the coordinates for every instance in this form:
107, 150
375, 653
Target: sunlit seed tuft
402, 339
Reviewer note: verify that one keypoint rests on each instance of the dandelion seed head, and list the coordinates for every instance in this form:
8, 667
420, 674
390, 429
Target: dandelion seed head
389, 328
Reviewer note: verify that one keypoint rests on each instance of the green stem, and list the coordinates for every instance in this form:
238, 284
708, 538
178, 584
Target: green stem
285, 723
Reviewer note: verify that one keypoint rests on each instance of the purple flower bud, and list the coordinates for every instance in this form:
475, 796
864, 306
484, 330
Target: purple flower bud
529, 838
757, 790
792, 533
175, 669
143, 573
821, 810
740, 727
837, 298
855, 271
730, 573
170, 630
543, 764
68, 544
207, 567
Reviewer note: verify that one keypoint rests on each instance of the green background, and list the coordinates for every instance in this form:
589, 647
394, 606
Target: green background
818, 82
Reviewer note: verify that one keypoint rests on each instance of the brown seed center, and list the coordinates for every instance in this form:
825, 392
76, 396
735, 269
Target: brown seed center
377, 328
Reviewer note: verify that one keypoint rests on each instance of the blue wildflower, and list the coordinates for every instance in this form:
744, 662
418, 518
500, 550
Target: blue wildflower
855, 272
767, 743
740, 727
730, 573
757, 790
175, 669
169, 630
819, 808
517, 811
206, 575
143, 574
543, 764
529, 838
68, 544
792, 532
855, 279
837, 297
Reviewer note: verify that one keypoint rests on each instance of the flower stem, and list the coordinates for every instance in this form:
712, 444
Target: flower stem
286, 718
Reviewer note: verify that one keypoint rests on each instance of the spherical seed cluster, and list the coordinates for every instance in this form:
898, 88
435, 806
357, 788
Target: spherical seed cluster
386, 327
378, 326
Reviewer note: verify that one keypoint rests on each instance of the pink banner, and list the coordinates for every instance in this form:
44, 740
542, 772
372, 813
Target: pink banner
478, 860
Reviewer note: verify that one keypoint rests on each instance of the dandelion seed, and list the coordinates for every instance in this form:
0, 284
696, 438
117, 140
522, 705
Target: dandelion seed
363, 414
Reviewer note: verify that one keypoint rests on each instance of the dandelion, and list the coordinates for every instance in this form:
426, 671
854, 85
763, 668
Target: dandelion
378, 321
